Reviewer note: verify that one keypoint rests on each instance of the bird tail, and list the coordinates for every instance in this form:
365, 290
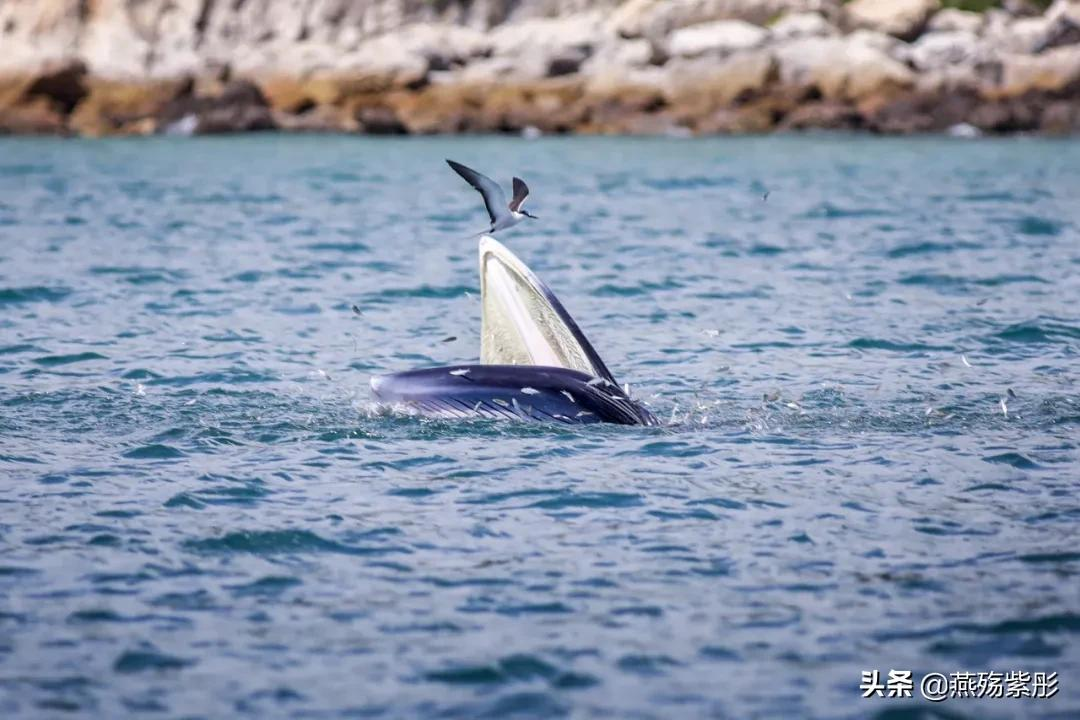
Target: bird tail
479, 234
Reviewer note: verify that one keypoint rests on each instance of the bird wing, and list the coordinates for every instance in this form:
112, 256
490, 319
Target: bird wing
521, 191
494, 198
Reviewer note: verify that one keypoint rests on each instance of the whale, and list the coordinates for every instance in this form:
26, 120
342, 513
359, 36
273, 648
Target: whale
535, 362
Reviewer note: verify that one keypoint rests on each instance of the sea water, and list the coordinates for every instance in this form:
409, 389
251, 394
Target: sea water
865, 352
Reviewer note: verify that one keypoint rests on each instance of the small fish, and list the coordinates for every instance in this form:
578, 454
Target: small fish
583, 413
500, 401
356, 311
517, 408
963, 358
1011, 394
771, 397
568, 396
626, 389
530, 391
1004, 407
981, 302
460, 372
929, 411
449, 338
140, 389
765, 197
711, 333
793, 405
476, 407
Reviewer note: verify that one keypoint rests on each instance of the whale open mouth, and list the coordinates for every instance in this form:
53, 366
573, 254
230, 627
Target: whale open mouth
523, 323
535, 363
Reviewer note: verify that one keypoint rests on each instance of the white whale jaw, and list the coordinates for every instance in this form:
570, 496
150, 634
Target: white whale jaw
522, 322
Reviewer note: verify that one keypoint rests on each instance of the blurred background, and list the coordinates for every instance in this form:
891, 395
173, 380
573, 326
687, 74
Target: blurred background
107, 67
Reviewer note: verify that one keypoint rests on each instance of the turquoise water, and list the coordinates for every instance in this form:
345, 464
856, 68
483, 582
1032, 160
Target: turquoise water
202, 514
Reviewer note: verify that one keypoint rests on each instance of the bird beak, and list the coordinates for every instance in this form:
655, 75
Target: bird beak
529, 215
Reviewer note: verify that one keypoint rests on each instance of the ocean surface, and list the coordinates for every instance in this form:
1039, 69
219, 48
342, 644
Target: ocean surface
866, 353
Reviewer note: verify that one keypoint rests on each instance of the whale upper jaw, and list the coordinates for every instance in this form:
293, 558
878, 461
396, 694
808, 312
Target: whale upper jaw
536, 363
523, 323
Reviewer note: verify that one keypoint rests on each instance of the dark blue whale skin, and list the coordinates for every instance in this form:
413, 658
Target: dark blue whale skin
525, 392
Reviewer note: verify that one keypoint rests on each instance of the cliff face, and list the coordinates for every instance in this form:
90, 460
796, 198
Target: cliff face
699, 66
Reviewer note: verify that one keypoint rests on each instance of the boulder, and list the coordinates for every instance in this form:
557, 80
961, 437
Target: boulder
656, 19
35, 117
121, 108
904, 19
719, 38
700, 87
61, 85
825, 114
1060, 117
840, 68
241, 107
320, 118
954, 20
937, 50
1055, 71
798, 25
614, 55
40, 102
547, 47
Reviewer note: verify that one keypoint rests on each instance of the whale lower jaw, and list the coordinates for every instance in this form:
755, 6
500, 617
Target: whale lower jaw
521, 392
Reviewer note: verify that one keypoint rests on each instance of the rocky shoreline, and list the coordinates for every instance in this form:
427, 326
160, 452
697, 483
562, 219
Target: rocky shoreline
139, 67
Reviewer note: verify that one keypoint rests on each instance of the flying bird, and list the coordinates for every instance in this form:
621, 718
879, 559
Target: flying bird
503, 215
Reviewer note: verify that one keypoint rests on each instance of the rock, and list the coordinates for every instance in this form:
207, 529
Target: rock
122, 108
379, 119
617, 56
442, 109
919, 112
287, 94
840, 68
1060, 117
62, 85
937, 50
904, 19
546, 47
36, 117
1063, 25
701, 87
751, 118
655, 19
240, 108
827, 114
550, 106
798, 25
1013, 115
614, 109
320, 118
953, 20
40, 103
719, 38
1055, 71
1032, 34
